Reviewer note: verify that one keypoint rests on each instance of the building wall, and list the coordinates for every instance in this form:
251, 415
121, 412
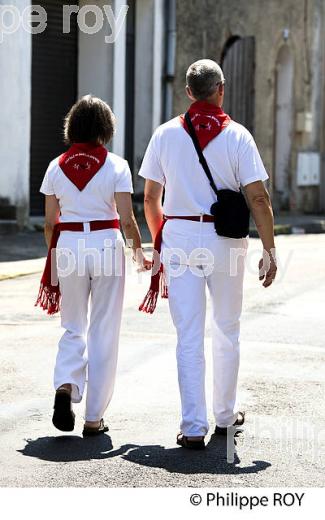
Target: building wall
102, 69
270, 22
149, 65
143, 69
102, 72
15, 92
143, 81
95, 65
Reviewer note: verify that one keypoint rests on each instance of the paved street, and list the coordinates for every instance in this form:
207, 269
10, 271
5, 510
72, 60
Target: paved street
281, 388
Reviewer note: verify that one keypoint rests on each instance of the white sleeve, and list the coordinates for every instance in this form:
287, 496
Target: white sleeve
123, 181
151, 166
47, 184
250, 164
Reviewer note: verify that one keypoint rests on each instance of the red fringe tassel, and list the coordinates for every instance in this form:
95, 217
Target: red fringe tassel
49, 296
158, 281
150, 301
49, 299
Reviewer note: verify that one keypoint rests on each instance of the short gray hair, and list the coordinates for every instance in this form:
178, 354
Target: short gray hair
202, 78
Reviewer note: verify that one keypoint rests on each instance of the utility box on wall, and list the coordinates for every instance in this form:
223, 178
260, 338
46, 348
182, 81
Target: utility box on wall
304, 122
308, 169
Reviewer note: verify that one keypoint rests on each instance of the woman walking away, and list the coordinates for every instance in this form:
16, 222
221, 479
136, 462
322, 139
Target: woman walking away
88, 195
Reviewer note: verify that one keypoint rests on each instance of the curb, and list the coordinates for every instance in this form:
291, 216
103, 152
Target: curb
8, 227
304, 228
11, 270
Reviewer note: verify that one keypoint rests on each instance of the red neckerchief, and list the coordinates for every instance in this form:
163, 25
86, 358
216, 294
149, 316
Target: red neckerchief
81, 162
208, 121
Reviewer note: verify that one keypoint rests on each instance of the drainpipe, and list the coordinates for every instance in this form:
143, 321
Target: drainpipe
119, 71
170, 24
322, 112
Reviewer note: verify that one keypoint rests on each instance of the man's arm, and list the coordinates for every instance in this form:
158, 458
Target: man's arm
153, 192
52, 212
261, 208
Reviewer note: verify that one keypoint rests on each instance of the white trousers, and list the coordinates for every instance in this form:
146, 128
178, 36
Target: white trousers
91, 275
215, 263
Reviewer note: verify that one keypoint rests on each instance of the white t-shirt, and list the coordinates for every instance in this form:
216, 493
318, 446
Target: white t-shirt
96, 201
172, 160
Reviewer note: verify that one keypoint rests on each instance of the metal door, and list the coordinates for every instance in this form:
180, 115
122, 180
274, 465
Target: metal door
54, 90
238, 64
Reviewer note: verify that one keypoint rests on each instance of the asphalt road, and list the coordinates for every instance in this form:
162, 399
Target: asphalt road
281, 387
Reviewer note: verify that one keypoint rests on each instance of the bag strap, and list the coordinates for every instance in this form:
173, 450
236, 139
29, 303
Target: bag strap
202, 159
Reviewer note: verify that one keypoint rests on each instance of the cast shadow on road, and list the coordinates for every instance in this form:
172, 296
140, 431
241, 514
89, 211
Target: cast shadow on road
68, 448
213, 460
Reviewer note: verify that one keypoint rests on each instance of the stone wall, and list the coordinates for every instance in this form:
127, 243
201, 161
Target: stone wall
203, 28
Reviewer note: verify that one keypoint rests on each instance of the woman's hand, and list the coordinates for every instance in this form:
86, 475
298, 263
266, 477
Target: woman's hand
143, 264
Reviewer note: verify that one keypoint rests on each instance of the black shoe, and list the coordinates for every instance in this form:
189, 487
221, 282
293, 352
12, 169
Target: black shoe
63, 416
239, 422
185, 442
91, 432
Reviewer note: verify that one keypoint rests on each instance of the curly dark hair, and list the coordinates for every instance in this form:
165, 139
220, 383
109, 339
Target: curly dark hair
89, 120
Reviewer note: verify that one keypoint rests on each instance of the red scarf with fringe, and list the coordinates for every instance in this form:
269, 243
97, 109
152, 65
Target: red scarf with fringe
157, 276
208, 121
81, 162
49, 296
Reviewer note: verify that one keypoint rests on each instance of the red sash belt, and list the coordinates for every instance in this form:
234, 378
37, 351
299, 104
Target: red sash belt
201, 218
95, 225
49, 295
157, 279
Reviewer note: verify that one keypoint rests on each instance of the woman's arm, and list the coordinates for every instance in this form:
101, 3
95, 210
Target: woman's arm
52, 212
130, 228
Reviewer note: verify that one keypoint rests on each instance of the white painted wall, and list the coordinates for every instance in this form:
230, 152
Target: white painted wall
158, 62
102, 69
143, 113
119, 83
284, 116
95, 67
15, 118
102, 72
149, 64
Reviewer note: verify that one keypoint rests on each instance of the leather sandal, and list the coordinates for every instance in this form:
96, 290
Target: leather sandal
92, 432
239, 422
63, 417
185, 442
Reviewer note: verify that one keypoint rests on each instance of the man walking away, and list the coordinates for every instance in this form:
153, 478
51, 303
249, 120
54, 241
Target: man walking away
185, 223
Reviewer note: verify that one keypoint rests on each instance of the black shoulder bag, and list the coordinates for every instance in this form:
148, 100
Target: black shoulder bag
231, 213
